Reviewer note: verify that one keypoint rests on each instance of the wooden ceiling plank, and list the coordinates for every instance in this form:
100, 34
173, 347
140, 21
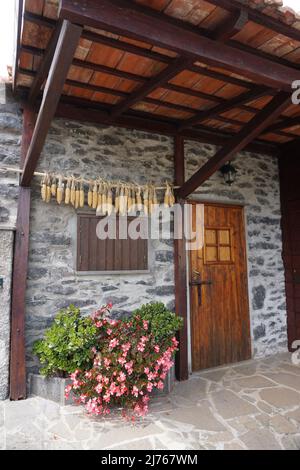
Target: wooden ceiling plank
121, 17
65, 49
249, 132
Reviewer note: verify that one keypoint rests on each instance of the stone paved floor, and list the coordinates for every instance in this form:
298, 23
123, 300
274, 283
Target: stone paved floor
253, 405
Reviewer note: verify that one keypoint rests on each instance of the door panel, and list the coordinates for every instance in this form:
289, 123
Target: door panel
218, 287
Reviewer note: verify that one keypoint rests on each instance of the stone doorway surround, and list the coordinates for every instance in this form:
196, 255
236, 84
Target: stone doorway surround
6, 258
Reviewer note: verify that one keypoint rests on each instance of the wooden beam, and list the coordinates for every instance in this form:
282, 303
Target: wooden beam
257, 16
284, 124
177, 66
45, 65
78, 110
235, 102
167, 74
122, 18
19, 276
65, 49
231, 26
180, 270
253, 129
17, 44
138, 78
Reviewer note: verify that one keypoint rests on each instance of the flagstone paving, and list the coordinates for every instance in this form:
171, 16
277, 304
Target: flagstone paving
253, 405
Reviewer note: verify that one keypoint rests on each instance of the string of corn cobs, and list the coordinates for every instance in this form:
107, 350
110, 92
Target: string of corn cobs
104, 197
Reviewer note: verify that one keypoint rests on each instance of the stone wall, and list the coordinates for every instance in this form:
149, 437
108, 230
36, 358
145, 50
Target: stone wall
10, 127
6, 253
79, 149
10, 138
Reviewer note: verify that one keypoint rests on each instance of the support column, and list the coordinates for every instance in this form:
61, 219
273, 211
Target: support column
180, 266
19, 277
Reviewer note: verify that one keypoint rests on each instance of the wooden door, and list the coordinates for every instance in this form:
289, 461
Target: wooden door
220, 323
290, 207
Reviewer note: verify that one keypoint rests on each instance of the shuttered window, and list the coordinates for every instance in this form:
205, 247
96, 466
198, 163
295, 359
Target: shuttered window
94, 254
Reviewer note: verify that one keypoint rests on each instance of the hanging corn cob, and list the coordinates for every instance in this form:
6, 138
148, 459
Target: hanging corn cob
90, 195
95, 196
122, 201
44, 188
77, 195
60, 190
109, 201
68, 192
48, 189
133, 200
53, 187
73, 192
167, 195
139, 202
117, 199
171, 197
146, 200
81, 195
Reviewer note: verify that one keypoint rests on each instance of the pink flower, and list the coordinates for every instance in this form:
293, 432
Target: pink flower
67, 391
83, 397
144, 339
126, 347
109, 331
145, 324
121, 360
135, 391
175, 342
141, 347
146, 370
107, 362
149, 386
122, 377
129, 367
109, 305
99, 388
156, 348
113, 343
106, 397
160, 385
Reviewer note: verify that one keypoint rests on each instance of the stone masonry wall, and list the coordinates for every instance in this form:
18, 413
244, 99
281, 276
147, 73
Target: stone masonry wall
6, 253
75, 148
10, 127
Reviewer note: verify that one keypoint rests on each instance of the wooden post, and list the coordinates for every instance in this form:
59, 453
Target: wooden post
19, 277
180, 267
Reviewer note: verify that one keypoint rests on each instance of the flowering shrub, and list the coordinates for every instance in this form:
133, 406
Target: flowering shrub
67, 344
128, 363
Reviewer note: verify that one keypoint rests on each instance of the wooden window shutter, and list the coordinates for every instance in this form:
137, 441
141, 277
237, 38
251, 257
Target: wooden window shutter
108, 255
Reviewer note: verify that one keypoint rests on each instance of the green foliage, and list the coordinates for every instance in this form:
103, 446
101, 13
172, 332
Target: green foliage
163, 323
67, 344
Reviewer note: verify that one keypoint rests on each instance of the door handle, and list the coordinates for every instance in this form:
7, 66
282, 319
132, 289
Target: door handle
198, 283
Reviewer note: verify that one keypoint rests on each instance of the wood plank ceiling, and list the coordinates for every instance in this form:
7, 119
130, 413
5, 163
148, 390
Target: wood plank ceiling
130, 77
